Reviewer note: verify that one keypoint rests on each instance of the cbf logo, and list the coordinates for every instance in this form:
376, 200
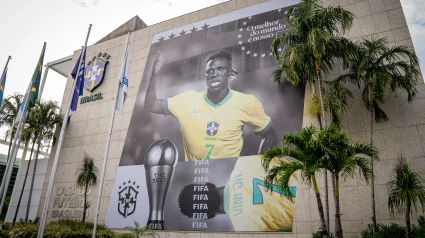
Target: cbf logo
95, 71
212, 128
127, 198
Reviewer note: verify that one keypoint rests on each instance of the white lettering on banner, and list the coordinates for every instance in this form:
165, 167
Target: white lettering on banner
264, 31
201, 179
201, 225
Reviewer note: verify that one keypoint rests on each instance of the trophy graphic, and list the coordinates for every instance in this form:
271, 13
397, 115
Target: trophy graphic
160, 162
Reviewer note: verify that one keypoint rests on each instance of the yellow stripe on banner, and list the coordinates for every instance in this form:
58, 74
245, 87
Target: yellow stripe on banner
1, 88
33, 89
92, 82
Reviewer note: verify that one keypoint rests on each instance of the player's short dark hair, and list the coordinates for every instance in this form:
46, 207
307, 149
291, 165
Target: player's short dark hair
222, 55
186, 201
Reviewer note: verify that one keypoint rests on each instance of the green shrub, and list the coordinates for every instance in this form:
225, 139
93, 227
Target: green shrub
124, 235
62, 228
421, 222
319, 235
395, 231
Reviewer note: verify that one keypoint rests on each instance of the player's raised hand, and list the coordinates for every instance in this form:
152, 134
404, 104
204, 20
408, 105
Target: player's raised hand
157, 64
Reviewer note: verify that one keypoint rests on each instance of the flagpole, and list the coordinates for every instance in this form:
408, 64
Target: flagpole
15, 146
40, 92
105, 159
12, 157
58, 150
5, 67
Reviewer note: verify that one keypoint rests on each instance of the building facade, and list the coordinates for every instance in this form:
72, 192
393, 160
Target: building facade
403, 134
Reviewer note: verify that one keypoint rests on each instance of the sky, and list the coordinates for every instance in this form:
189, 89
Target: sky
63, 24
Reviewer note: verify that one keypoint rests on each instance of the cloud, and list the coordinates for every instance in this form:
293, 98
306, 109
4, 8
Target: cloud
83, 4
415, 17
169, 3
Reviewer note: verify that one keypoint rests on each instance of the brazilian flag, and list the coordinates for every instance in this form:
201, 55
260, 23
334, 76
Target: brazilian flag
35, 81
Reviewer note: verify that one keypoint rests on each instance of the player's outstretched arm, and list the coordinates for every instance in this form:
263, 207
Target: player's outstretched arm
269, 140
152, 103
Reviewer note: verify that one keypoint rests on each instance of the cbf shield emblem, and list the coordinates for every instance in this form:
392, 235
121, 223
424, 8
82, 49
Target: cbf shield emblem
127, 199
95, 72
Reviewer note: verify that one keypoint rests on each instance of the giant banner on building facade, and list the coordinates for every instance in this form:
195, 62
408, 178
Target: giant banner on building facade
205, 111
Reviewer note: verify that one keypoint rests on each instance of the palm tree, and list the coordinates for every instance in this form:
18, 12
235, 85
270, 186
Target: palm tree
8, 112
406, 190
342, 159
138, 231
338, 98
314, 44
29, 134
303, 147
44, 116
377, 68
86, 177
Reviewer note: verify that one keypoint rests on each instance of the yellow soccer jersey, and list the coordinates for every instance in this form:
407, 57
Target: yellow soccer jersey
214, 131
248, 204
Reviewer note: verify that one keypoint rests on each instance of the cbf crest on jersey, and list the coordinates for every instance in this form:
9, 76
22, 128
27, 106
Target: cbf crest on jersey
212, 128
95, 71
127, 198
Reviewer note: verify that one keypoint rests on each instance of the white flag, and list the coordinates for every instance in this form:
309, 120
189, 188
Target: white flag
123, 78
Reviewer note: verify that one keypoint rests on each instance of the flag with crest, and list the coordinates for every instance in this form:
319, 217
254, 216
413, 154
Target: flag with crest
80, 82
123, 78
2, 85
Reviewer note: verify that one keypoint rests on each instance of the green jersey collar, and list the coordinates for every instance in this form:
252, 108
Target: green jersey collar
227, 98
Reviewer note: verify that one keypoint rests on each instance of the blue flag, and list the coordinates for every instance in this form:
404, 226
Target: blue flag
2, 85
80, 82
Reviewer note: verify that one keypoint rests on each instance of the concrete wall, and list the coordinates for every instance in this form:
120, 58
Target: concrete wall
403, 134
36, 193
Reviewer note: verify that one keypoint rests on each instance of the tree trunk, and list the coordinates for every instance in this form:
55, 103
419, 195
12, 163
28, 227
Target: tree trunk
327, 200
85, 203
338, 226
32, 182
23, 186
408, 229
372, 184
322, 103
10, 146
323, 228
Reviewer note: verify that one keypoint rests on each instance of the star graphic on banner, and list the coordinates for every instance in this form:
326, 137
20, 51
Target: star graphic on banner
124, 183
248, 52
193, 29
280, 49
205, 26
244, 23
240, 42
243, 48
182, 33
172, 36
137, 186
239, 36
161, 39
119, 187
255, 55
263, 55
279, 10
129, 181
241, 29
134, 183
